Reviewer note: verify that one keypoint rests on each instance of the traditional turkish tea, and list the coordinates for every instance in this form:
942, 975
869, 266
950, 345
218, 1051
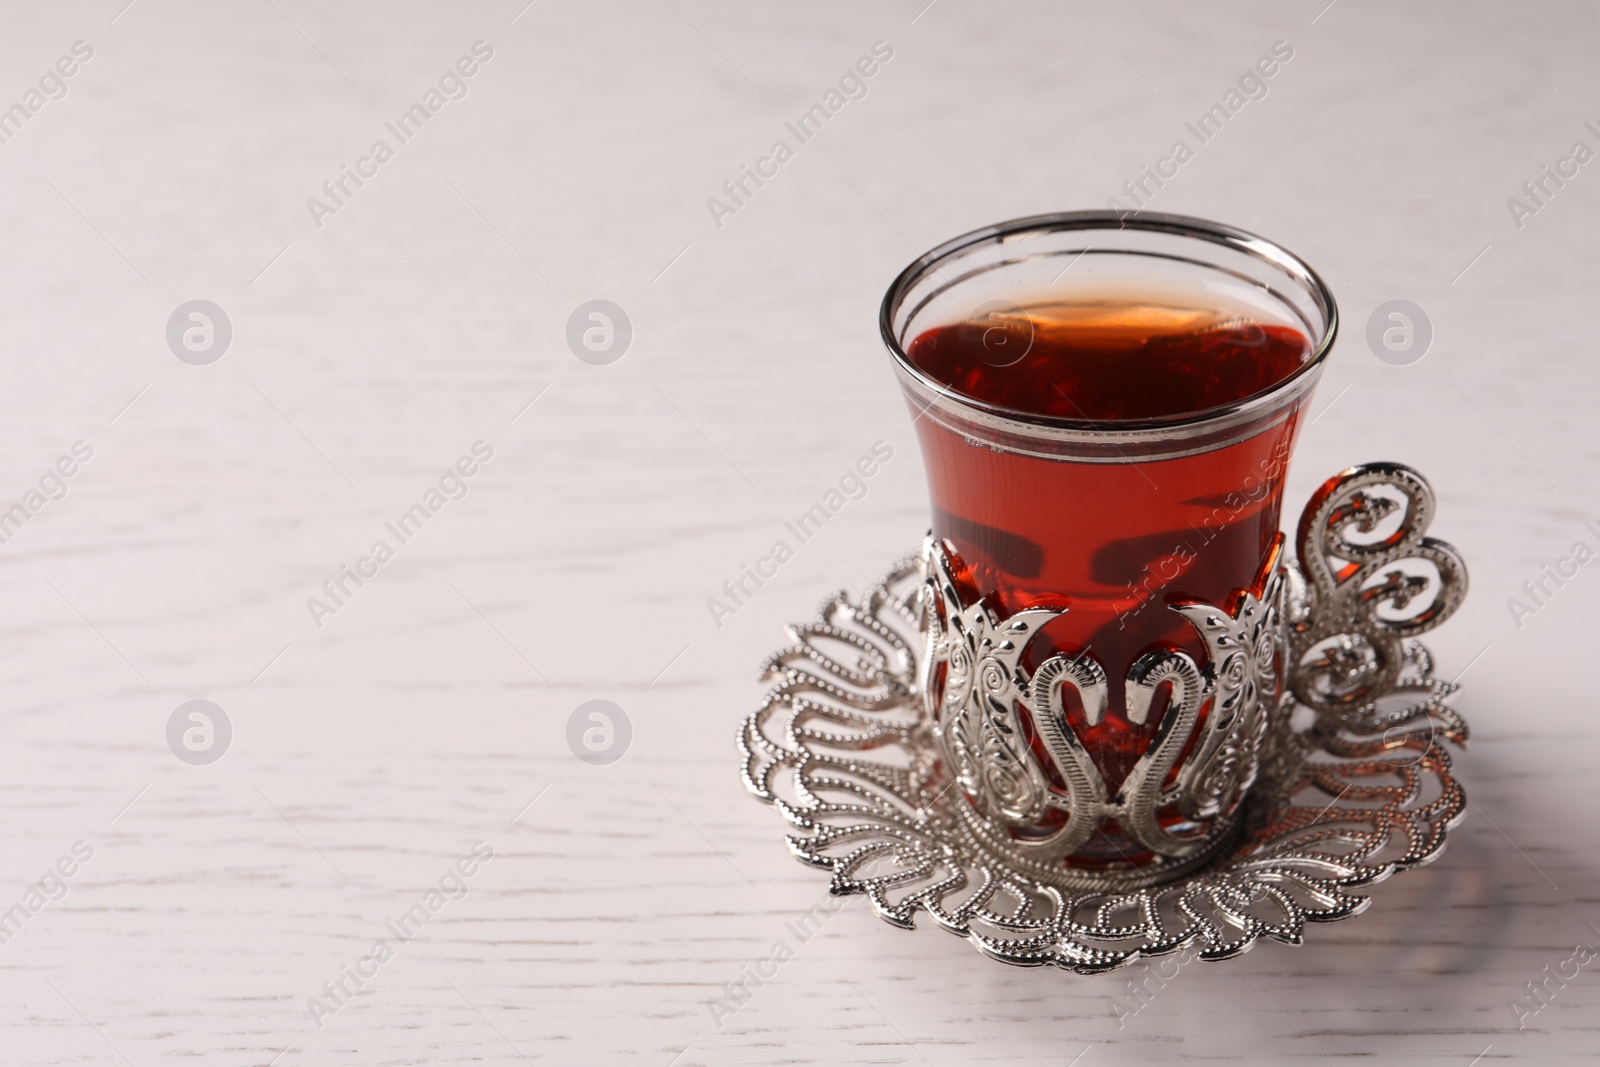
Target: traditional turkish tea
1113, 542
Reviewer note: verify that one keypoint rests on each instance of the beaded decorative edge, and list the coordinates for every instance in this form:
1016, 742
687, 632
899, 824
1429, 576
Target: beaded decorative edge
1354, 781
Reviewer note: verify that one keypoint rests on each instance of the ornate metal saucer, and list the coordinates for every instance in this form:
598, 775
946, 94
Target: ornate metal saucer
1293, 802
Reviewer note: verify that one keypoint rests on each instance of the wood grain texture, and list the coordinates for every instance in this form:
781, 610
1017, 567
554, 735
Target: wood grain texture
368, 354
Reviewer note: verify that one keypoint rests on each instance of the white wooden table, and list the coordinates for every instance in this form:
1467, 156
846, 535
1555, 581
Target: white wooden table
430, 710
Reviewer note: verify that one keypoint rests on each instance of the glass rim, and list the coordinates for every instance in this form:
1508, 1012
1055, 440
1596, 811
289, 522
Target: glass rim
1177, 225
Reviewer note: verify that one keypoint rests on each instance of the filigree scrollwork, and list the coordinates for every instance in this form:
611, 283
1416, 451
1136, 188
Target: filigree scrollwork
976, 717
1242, 681
1361, 543
984, 691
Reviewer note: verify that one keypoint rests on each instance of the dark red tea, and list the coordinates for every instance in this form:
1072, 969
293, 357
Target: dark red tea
1110, 360
1114, 542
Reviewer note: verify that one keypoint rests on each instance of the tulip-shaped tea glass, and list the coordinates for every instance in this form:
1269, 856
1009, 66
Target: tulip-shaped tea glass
1106, 406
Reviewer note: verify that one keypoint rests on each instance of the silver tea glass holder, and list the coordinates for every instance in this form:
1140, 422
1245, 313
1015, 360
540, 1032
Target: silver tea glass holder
897, 743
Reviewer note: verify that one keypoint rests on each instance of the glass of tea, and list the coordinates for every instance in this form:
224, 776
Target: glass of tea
1106, 406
